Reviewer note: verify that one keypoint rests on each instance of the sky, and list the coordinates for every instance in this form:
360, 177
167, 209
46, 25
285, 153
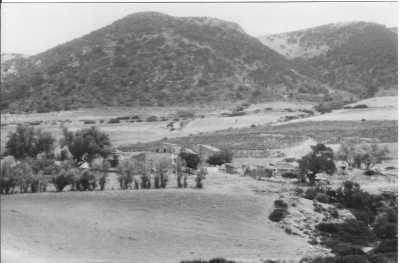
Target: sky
31, 28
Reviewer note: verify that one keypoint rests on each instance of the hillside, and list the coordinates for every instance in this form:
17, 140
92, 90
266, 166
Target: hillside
8, 56
226, 219
357, 57
152, 59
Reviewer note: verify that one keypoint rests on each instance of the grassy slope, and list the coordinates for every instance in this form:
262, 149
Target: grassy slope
224, 219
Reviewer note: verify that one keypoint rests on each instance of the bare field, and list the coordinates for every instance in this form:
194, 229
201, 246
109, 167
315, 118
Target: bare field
133, 132
226, 219
290, 138
379, 109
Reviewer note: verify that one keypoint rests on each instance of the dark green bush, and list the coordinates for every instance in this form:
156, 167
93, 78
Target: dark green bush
322, 197
219, 158
387, 246
310, 193
280, 204
214, 260
330, 228
152, 118
278, 214
290, 175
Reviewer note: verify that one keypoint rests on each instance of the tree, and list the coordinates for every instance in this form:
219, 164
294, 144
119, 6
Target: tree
7, 180
192, 160
87, 143
318, 161
128, 169
100, 167
221, 157
357, 153
28, 142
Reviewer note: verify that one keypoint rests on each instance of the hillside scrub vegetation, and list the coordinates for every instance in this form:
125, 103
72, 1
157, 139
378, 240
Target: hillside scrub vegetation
169, 60
374, 224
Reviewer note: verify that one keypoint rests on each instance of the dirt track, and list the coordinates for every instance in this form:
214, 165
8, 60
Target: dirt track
145, 226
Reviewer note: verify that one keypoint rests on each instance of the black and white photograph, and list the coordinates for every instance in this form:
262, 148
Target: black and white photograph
199, 132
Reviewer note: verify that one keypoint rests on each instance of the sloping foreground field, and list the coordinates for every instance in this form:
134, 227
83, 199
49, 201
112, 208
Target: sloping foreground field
143, 226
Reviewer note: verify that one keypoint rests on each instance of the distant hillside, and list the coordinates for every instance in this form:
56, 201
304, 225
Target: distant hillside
8, 56
153, 59
357, 57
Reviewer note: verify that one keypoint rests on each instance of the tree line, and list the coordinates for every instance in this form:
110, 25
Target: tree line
33, 159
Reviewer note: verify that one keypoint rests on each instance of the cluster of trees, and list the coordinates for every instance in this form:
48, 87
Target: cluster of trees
360, 154
355, 153
33, 161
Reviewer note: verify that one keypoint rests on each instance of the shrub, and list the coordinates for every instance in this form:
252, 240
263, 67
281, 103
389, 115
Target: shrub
184, 114
386, 246
322, 197
330, 228
278, 214
333, 212
360, 106
351, 231
114, 121
89, 122
386, 230
310, 193
280, 204
152, 118
299, 191
214, 260
219, 158
345, 249
310, 112
290, 175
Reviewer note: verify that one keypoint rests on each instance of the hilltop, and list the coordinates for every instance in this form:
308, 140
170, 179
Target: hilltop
151, 59
358, 57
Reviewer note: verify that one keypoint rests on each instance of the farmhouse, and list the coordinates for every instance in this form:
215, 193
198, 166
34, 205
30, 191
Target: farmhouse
280, 168
166, 147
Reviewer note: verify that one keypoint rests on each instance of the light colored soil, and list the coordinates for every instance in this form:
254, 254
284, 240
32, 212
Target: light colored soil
226, 219
129, 133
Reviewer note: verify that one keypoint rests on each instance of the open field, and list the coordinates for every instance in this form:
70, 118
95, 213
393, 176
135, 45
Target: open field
124, 133
226, 219
379, 108
272, 137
